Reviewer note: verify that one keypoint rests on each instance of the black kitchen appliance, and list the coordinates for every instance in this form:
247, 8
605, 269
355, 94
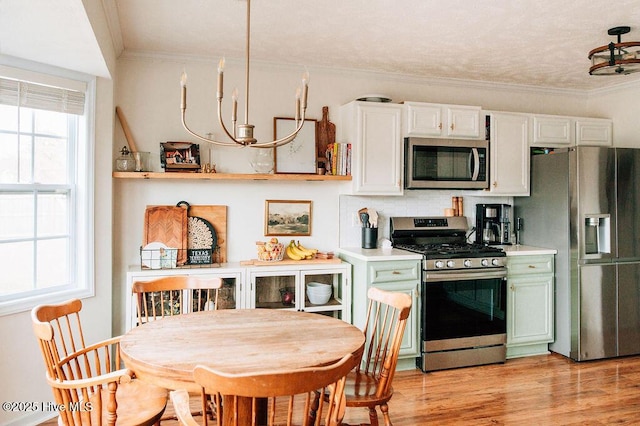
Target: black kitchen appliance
493, 224
463, 297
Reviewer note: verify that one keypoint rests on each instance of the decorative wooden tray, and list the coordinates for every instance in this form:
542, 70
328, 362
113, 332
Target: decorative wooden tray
256, 262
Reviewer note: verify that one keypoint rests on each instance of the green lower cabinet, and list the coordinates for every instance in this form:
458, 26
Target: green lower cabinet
410, 348
397, 275
530, 296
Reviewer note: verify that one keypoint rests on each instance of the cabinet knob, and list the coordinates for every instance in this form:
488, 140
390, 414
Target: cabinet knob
495, 184
532, 267
395, 273
513, 288
453, 126
440, 126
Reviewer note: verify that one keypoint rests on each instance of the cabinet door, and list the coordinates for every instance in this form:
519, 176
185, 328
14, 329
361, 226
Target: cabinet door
529, 309
274, 289
339, 304
423, 119
551, 131
230, 296
509, 158
593, 132
463, 122
411, 339
379, 150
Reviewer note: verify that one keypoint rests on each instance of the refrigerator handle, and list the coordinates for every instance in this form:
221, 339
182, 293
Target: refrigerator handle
474, 164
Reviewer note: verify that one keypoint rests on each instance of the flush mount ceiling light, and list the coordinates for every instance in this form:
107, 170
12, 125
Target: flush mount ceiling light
242, 134
616, 58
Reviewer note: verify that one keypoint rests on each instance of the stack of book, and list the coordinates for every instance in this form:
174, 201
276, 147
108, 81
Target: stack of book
339, 159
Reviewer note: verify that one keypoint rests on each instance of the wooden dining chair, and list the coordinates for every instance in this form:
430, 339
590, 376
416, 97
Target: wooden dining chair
175, 295
289, 397
89, 380
370, 384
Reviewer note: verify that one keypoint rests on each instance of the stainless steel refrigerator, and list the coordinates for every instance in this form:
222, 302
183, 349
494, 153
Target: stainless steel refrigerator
585, 203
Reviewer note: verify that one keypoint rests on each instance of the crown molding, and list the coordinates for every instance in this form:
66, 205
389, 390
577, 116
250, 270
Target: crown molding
389, 76
113, 22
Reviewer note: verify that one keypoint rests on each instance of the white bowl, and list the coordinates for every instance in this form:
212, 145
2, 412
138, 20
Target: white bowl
314, 286
319, 293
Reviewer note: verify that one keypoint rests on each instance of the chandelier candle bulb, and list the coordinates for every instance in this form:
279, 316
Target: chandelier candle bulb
297, 105
234, 111
183, 85
220, 78
305, 88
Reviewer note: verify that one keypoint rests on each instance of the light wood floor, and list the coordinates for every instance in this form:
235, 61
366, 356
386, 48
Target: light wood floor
539, 390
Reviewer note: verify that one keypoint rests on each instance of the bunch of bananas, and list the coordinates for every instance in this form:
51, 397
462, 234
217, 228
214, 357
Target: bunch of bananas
297, 251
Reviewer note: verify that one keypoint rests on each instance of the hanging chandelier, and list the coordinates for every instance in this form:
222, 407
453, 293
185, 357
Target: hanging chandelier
242, 134
616, 58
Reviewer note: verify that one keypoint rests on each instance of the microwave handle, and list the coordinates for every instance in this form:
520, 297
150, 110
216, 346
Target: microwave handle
474, 164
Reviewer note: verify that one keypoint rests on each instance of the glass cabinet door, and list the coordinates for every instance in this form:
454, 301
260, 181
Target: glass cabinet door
315, 283
275, 290
227, 296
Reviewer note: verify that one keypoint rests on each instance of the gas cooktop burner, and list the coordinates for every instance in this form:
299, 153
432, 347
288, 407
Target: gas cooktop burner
451, 251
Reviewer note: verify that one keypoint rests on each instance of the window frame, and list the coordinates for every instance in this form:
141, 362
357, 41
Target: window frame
81, 216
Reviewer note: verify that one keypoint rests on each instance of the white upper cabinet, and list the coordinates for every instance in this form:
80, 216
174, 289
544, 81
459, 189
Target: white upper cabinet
594, 131
442, 121
558, 131
509, 154
374, 131
551, 131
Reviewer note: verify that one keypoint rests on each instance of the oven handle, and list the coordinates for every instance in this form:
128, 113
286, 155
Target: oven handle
463, 275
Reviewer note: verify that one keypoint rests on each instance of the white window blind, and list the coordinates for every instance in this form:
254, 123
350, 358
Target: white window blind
31, 95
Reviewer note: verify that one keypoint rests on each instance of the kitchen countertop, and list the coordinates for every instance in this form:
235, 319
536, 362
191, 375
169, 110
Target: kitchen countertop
379, 254
523, 250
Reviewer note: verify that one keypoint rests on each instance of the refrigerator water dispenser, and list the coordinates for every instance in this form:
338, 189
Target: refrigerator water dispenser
597, 234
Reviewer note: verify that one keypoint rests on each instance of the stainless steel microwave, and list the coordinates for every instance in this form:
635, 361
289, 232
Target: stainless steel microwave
446, 163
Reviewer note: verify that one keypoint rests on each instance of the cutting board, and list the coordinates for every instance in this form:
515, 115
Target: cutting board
256, 262
168, 225
217, 217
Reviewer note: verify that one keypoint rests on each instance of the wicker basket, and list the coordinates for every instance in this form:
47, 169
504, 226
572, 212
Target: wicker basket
269, 252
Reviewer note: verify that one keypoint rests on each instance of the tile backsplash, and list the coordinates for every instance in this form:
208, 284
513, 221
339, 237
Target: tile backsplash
412, 203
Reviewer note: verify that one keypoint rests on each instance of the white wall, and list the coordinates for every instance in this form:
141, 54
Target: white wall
622, 105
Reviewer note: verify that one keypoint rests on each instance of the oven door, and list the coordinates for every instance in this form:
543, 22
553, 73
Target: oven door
463, 305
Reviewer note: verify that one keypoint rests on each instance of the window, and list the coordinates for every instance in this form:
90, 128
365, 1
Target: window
45, 149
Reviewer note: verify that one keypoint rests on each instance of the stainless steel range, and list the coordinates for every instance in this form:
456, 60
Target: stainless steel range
463, 312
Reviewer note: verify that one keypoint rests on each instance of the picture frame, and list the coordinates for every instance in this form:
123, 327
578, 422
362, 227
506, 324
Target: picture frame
300, 155
180, 156
287, 217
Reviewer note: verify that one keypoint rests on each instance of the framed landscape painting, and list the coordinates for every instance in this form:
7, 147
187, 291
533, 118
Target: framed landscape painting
287, 217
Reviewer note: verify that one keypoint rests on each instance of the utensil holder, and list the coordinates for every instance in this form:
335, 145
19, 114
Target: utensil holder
369, 238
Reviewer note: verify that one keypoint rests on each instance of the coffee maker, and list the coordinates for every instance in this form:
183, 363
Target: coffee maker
493, 224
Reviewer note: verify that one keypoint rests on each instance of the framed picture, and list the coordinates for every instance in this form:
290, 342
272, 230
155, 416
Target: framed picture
180, 156
287, 217
299, 155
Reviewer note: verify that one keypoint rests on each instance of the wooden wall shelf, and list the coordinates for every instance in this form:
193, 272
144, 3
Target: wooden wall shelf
227, 176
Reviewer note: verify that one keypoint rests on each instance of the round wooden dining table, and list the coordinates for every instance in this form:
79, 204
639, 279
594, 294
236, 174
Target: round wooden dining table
165, 352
